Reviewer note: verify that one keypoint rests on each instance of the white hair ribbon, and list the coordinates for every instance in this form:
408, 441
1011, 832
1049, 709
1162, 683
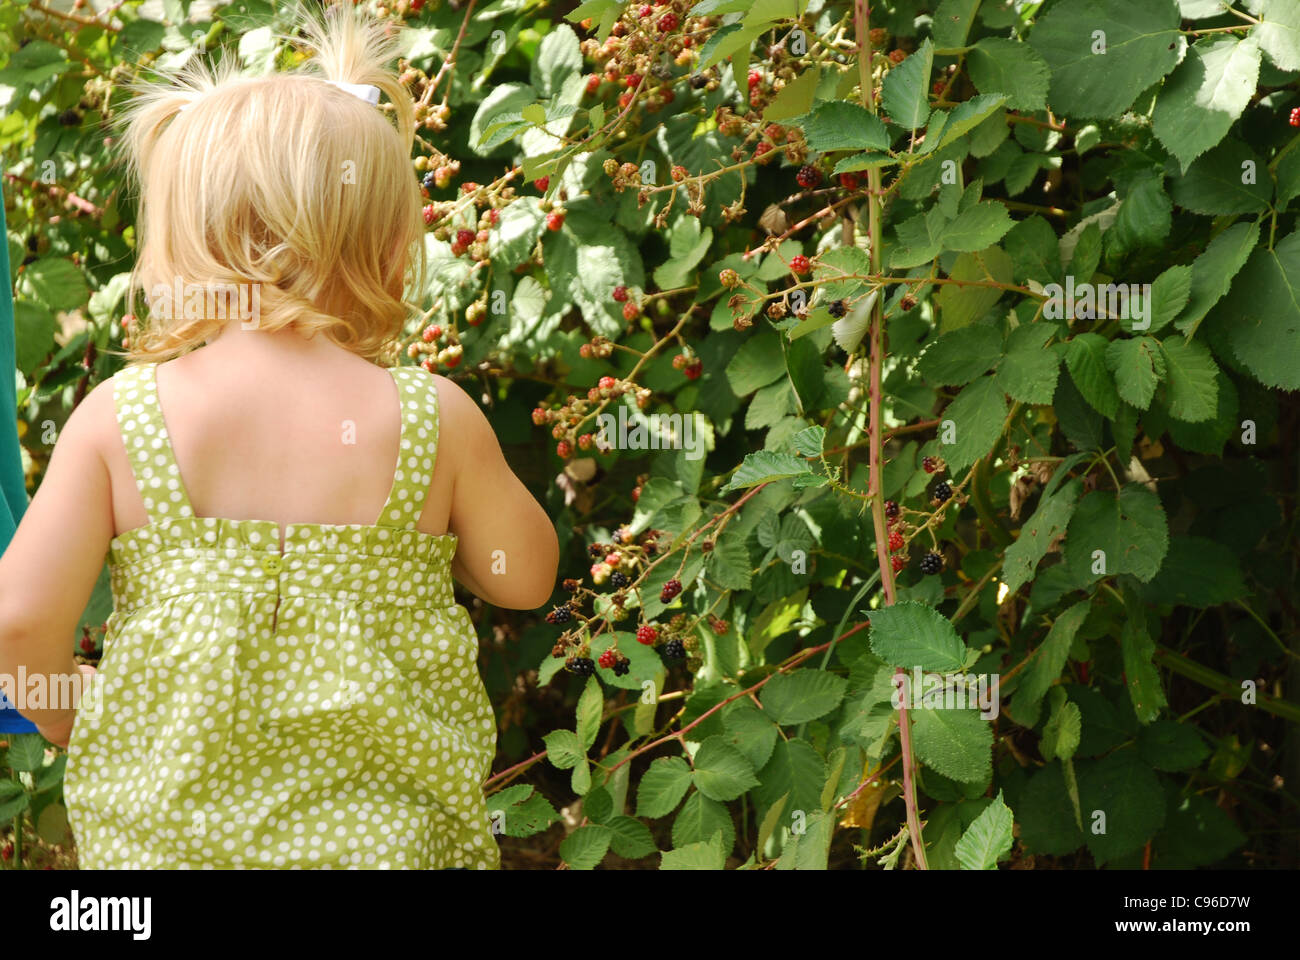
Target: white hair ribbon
364, 91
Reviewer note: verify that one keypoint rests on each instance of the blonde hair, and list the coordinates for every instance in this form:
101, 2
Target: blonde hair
292, 186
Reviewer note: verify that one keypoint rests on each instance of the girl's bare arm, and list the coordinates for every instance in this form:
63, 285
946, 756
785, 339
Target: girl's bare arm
50, 567
508, 552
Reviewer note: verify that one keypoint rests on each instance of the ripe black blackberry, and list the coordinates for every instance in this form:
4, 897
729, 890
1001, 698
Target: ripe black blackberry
942, 491
598, 550
622, 666
837, 309
891, 509
674, 649
429, 181
699, 81
582, 666
931, 563
618, 580
561, 614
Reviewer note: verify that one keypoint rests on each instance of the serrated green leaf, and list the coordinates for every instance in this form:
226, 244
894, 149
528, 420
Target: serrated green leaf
977, 414
1049, 520
721, 771
913, 634
1137, 364
905, 93
988, 839
590, 705
1011, 68
765, 466
802, 695
1049, 660
705, 855
758, 362
1123, 788
976, 228
662, 787
1220, 182
1261, 319
1086, 360
700, 819
1140, 675
1206, 94
958, 357
586, 846
1028, 370
1213, 272
1279, 33
1192, 390
1141, 44
1130, 529
841, 125
630, 838
956, 743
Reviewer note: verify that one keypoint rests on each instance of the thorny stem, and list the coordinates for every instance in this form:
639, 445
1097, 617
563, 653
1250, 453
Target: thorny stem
862, 23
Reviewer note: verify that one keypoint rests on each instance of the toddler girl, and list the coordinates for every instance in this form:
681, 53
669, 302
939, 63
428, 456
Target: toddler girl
287, 679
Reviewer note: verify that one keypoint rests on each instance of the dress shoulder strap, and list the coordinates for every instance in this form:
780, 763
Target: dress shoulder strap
148, 445
418, 396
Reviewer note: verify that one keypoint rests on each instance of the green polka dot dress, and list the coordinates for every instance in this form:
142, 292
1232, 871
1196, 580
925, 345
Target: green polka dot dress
316, 707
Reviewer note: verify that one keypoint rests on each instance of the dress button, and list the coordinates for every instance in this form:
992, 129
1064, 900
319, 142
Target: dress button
271, 564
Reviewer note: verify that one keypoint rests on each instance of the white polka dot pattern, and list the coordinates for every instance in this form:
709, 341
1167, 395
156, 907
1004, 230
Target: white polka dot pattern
316, 708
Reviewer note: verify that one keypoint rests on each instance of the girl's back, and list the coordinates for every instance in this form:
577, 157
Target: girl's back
287, 679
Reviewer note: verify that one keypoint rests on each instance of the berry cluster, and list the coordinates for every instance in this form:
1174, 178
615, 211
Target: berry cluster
565, 419
690, 366
441, 348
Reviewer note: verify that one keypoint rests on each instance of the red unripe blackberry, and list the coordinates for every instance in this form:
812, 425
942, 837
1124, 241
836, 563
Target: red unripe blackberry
631, 311
808, 176
799, 264
755, 78
564, 450
647, 635
929, 464
897, 562
608, 659
542, 183
624, 99
584, 442
1295, 117
668, 22
850, 181
593, 83
895, 541
891, 509
87, 645
633, 81
670, 590
554, 220
645, 11
693, 369
897, 56
931, 563
428, 212
465, 237
620, 294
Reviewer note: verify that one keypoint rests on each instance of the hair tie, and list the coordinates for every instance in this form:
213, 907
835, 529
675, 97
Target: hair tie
364, 91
